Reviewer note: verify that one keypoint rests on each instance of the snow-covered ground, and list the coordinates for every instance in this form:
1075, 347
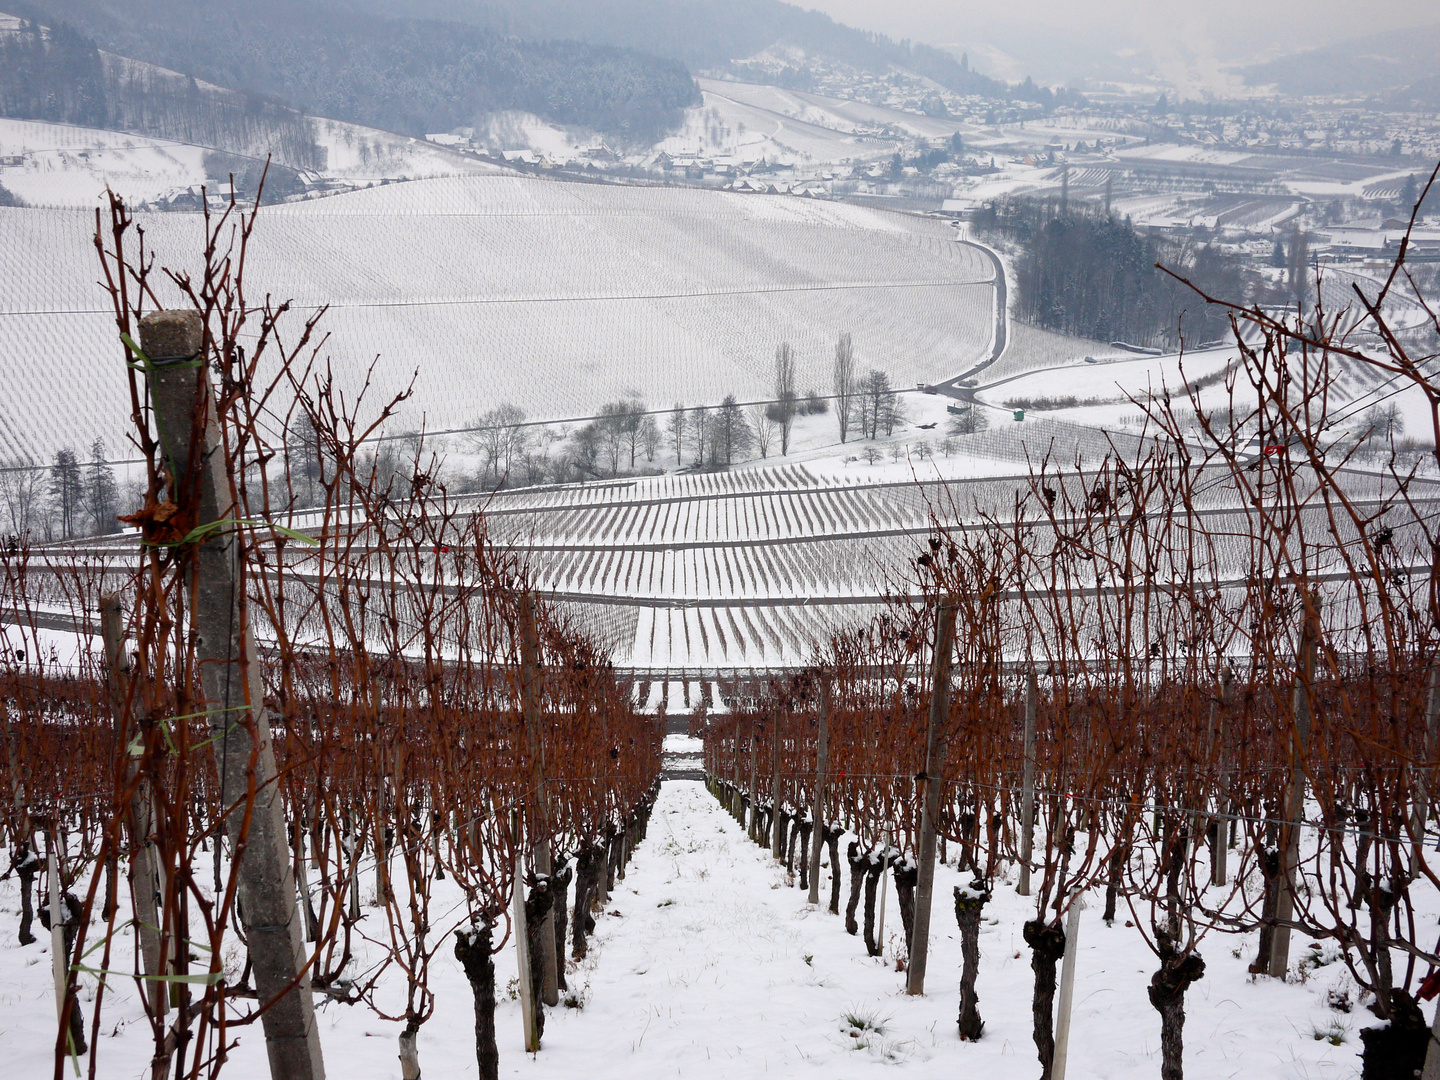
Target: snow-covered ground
555, 297
707, 963
62, 165
65, 165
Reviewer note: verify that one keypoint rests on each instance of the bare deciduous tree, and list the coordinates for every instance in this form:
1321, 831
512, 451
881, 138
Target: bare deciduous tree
784, 393
22, 487
763, 428
500, 440
843, 383
967, 421
650, 437
677, 430
700, 434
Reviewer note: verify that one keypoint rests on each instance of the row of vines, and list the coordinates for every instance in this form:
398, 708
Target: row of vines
1223, 723
232, 829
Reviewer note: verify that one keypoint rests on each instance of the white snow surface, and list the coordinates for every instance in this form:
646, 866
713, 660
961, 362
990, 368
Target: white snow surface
555, 297
707, 964
752, 121
63, 165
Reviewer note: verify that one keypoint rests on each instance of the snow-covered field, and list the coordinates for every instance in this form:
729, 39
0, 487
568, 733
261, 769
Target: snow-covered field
750, 121
1113, 378
62, 165
556, 297
708, 964
1048, 375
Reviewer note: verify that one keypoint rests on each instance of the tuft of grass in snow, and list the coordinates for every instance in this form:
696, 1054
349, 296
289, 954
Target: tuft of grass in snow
1335, 1032
859, 1020
1317, 957
865, 1028
576, 997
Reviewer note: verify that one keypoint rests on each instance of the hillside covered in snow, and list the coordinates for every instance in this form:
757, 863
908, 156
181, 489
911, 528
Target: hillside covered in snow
554, 297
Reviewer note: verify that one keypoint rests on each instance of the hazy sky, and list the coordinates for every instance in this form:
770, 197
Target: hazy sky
1193, 35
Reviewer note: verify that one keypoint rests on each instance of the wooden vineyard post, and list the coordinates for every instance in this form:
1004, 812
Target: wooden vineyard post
822, 766
935, 748
1027, 785
530, 686
144, 886
737, 794
884, 887
1295, 802
1421, 815
522, 945
230, 678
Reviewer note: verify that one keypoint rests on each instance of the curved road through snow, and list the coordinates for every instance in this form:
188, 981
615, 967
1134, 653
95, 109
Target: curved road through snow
999, 338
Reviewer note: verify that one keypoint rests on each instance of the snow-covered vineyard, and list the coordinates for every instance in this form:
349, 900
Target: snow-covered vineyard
1060, 751
554, 297
706, 962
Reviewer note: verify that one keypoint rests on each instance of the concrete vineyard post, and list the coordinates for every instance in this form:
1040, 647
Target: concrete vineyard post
234, 692
530, 688
1063, 1006
935, 748
58, 953
1295, 802
522, 945
1219, 851
775, 850
1027, 785
822, 764
144, 886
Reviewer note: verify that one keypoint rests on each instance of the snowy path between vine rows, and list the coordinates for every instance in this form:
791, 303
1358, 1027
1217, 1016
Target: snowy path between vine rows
708, 964
714, 967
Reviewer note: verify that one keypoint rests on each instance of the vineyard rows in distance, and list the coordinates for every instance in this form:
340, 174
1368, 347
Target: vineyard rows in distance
554, 297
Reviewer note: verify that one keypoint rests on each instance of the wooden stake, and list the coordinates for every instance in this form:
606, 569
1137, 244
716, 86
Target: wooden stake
1431, 1070
1219, 851
775, 847
522, 947
754, 783
58, 957
144, 885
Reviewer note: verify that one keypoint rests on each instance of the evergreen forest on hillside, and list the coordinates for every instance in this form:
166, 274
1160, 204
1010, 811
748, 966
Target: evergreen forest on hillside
1082, 271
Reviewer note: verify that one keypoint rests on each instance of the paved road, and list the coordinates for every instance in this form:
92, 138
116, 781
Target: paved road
1001, 337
